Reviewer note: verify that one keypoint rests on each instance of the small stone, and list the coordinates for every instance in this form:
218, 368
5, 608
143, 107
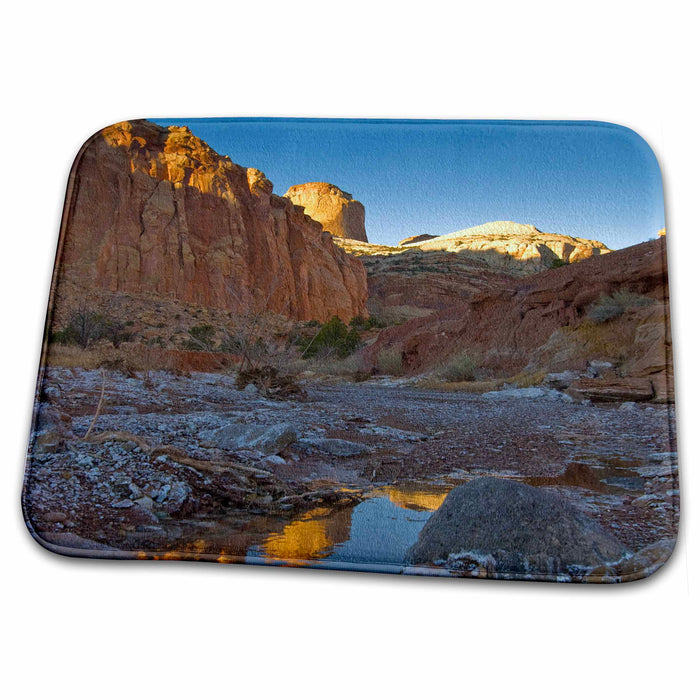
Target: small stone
251, 389
145, 502
337, 447
125, 503
177, 497
275, 459
125, 410
560, 380
55, 517
504, 394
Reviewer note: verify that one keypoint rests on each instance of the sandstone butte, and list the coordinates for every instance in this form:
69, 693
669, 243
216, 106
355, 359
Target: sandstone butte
335, 210
511, 247
155, 210
539, 322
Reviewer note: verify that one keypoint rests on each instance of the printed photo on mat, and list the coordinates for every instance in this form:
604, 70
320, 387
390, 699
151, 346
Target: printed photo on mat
463, 368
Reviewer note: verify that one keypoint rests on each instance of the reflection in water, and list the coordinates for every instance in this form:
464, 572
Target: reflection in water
379, 530
611, 476
415, 499
310, 537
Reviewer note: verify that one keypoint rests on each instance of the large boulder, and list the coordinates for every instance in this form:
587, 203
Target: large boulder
238, 436
335, 210
336, 447
616, 389
511, 528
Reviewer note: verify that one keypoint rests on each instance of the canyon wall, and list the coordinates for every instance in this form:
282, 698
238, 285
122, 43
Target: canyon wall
155, 210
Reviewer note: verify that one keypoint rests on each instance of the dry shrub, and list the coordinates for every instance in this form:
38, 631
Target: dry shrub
527, 379
269, 382
459, 368
389, 361
137, 357
329, 364
611, 306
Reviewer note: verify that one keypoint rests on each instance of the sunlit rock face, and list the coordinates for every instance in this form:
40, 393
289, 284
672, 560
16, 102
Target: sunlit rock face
513, 247
335, 210
155, 210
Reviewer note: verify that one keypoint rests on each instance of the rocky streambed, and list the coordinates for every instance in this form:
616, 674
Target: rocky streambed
347, 477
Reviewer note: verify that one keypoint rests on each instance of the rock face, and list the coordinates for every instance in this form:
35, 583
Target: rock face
335, 210
602, 389
511, 528
156, 211
512, 247
540, 323
420, 238
407, 282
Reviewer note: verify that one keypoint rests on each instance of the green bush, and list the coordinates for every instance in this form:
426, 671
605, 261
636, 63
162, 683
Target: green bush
611, 306
460, 368
362, 323
333, 336
556, 263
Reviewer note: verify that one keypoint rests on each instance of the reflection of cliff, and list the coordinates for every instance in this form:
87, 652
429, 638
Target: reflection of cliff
414, 499
311, 536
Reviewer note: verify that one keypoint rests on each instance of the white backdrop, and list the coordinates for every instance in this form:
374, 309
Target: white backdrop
81, 629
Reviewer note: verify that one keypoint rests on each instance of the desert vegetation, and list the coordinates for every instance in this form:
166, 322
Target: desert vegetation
610, 306
389, 361
332, 339
87, 326
459, 368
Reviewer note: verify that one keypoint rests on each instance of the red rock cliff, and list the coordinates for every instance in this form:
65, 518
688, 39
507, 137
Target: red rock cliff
509, 327
156, 210
335, 210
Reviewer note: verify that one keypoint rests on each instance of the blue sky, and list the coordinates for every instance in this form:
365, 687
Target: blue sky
585, 179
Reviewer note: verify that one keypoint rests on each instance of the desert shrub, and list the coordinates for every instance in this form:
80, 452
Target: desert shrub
270, 382
611, 306
389, 361
328, 363
459, 368
334, 337
87, 326
201, 338
556, 263
362, 323
527, 379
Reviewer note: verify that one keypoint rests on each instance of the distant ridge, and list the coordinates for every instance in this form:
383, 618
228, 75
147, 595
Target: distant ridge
503, 246
514, 247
